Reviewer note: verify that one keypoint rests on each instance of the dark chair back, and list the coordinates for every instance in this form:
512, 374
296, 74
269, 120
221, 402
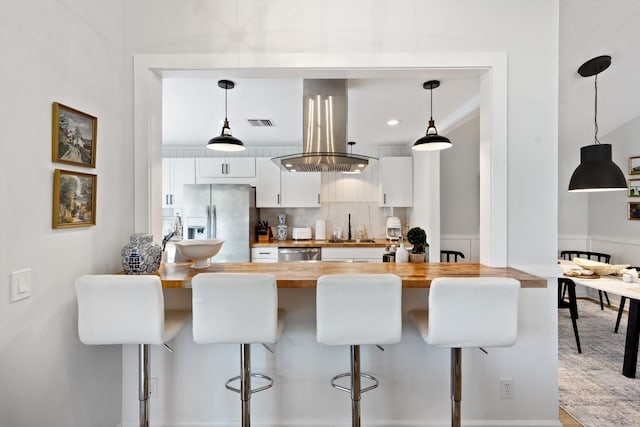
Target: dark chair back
594, 256
445, 256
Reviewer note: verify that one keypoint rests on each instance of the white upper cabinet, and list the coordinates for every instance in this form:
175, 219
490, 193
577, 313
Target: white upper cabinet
232, 167
276, 189
267, 183
396, 182
300, 189
176, 171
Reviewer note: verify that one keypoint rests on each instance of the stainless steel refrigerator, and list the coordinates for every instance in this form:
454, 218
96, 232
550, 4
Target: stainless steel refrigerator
222, 211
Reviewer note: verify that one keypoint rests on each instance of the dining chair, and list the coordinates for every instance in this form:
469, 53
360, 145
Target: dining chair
446, 254
623, 300
566, 284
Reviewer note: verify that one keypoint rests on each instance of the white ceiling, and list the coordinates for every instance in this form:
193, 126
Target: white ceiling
193, 106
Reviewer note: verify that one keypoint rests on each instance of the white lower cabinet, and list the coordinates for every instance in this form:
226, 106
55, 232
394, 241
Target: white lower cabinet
264, 254
352, 254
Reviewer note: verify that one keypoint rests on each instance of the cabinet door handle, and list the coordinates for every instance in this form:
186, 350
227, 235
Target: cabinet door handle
222, 168
318, 198
227, 168
171, 199
385, 199
278, 198
166, 199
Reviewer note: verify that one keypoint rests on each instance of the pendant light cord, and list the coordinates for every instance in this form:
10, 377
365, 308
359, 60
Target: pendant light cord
431, 105
225, 102
595, 116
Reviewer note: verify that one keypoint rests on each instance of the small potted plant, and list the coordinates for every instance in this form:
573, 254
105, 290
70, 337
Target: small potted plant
418, 238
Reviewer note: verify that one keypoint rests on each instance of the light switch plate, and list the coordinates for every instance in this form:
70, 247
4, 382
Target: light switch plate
20, 284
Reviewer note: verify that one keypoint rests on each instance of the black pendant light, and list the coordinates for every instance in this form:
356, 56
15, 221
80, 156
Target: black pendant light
431, 141
225, 142
596, 171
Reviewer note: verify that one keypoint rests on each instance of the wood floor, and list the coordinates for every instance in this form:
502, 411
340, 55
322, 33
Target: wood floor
567, 420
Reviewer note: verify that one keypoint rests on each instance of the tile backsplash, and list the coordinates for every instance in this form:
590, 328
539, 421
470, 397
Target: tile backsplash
363, 214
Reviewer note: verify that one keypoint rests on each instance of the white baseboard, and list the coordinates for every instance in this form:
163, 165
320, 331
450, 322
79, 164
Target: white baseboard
376, 423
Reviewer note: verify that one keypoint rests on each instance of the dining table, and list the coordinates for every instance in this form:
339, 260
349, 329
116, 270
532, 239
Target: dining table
614, 284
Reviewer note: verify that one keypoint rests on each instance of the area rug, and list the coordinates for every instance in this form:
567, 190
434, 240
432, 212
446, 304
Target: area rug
592, 387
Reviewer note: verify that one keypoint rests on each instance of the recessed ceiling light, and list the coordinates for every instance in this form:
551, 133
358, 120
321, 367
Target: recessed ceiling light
393, 122
288, 165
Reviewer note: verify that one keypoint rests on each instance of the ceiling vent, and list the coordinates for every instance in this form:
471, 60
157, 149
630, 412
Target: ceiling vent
324, 120
260, 123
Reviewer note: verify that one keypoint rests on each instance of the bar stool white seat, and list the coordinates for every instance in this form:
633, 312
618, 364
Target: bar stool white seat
237, 308
358, 309
468, 312
127, 309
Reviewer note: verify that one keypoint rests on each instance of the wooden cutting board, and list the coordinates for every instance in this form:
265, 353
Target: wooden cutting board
592, 276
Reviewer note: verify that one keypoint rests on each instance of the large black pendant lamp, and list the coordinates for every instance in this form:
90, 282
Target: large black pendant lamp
225, 142
596, 171
431, 141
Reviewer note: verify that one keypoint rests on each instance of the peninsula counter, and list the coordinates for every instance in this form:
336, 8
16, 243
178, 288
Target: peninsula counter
305, 274
414, 376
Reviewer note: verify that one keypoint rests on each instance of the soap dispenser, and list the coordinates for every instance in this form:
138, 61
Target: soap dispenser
402, 255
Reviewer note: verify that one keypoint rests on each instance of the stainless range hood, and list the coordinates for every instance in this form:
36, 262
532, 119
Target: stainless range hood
324, 146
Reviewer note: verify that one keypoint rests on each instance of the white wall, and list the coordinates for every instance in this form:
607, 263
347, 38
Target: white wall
460, 191
527, 32
71, 52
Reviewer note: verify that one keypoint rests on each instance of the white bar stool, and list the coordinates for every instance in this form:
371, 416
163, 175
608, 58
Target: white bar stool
357, 309
127, 309
237, 308
468, 312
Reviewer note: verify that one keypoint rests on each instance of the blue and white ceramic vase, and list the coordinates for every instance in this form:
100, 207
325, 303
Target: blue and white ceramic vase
141, 255
281, 230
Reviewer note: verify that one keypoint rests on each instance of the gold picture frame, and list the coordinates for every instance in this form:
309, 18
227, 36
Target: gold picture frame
634, 165
73, 136
634, 188
74, 199
633, 210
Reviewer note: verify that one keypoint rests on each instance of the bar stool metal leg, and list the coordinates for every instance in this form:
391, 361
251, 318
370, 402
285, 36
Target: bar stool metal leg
245, 383
143, 383
456, 386
355, 386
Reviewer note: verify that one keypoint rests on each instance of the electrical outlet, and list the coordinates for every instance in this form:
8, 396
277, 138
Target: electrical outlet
507, 390
153, 388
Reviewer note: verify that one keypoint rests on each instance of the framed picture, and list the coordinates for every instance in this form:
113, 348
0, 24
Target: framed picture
74, 136
74, 199
633, 211
634, 165
634, 188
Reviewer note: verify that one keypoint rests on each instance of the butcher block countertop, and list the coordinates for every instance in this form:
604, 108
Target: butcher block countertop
377, 243
305, 274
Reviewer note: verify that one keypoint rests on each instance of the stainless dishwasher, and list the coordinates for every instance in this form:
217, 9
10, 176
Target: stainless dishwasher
288, 254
